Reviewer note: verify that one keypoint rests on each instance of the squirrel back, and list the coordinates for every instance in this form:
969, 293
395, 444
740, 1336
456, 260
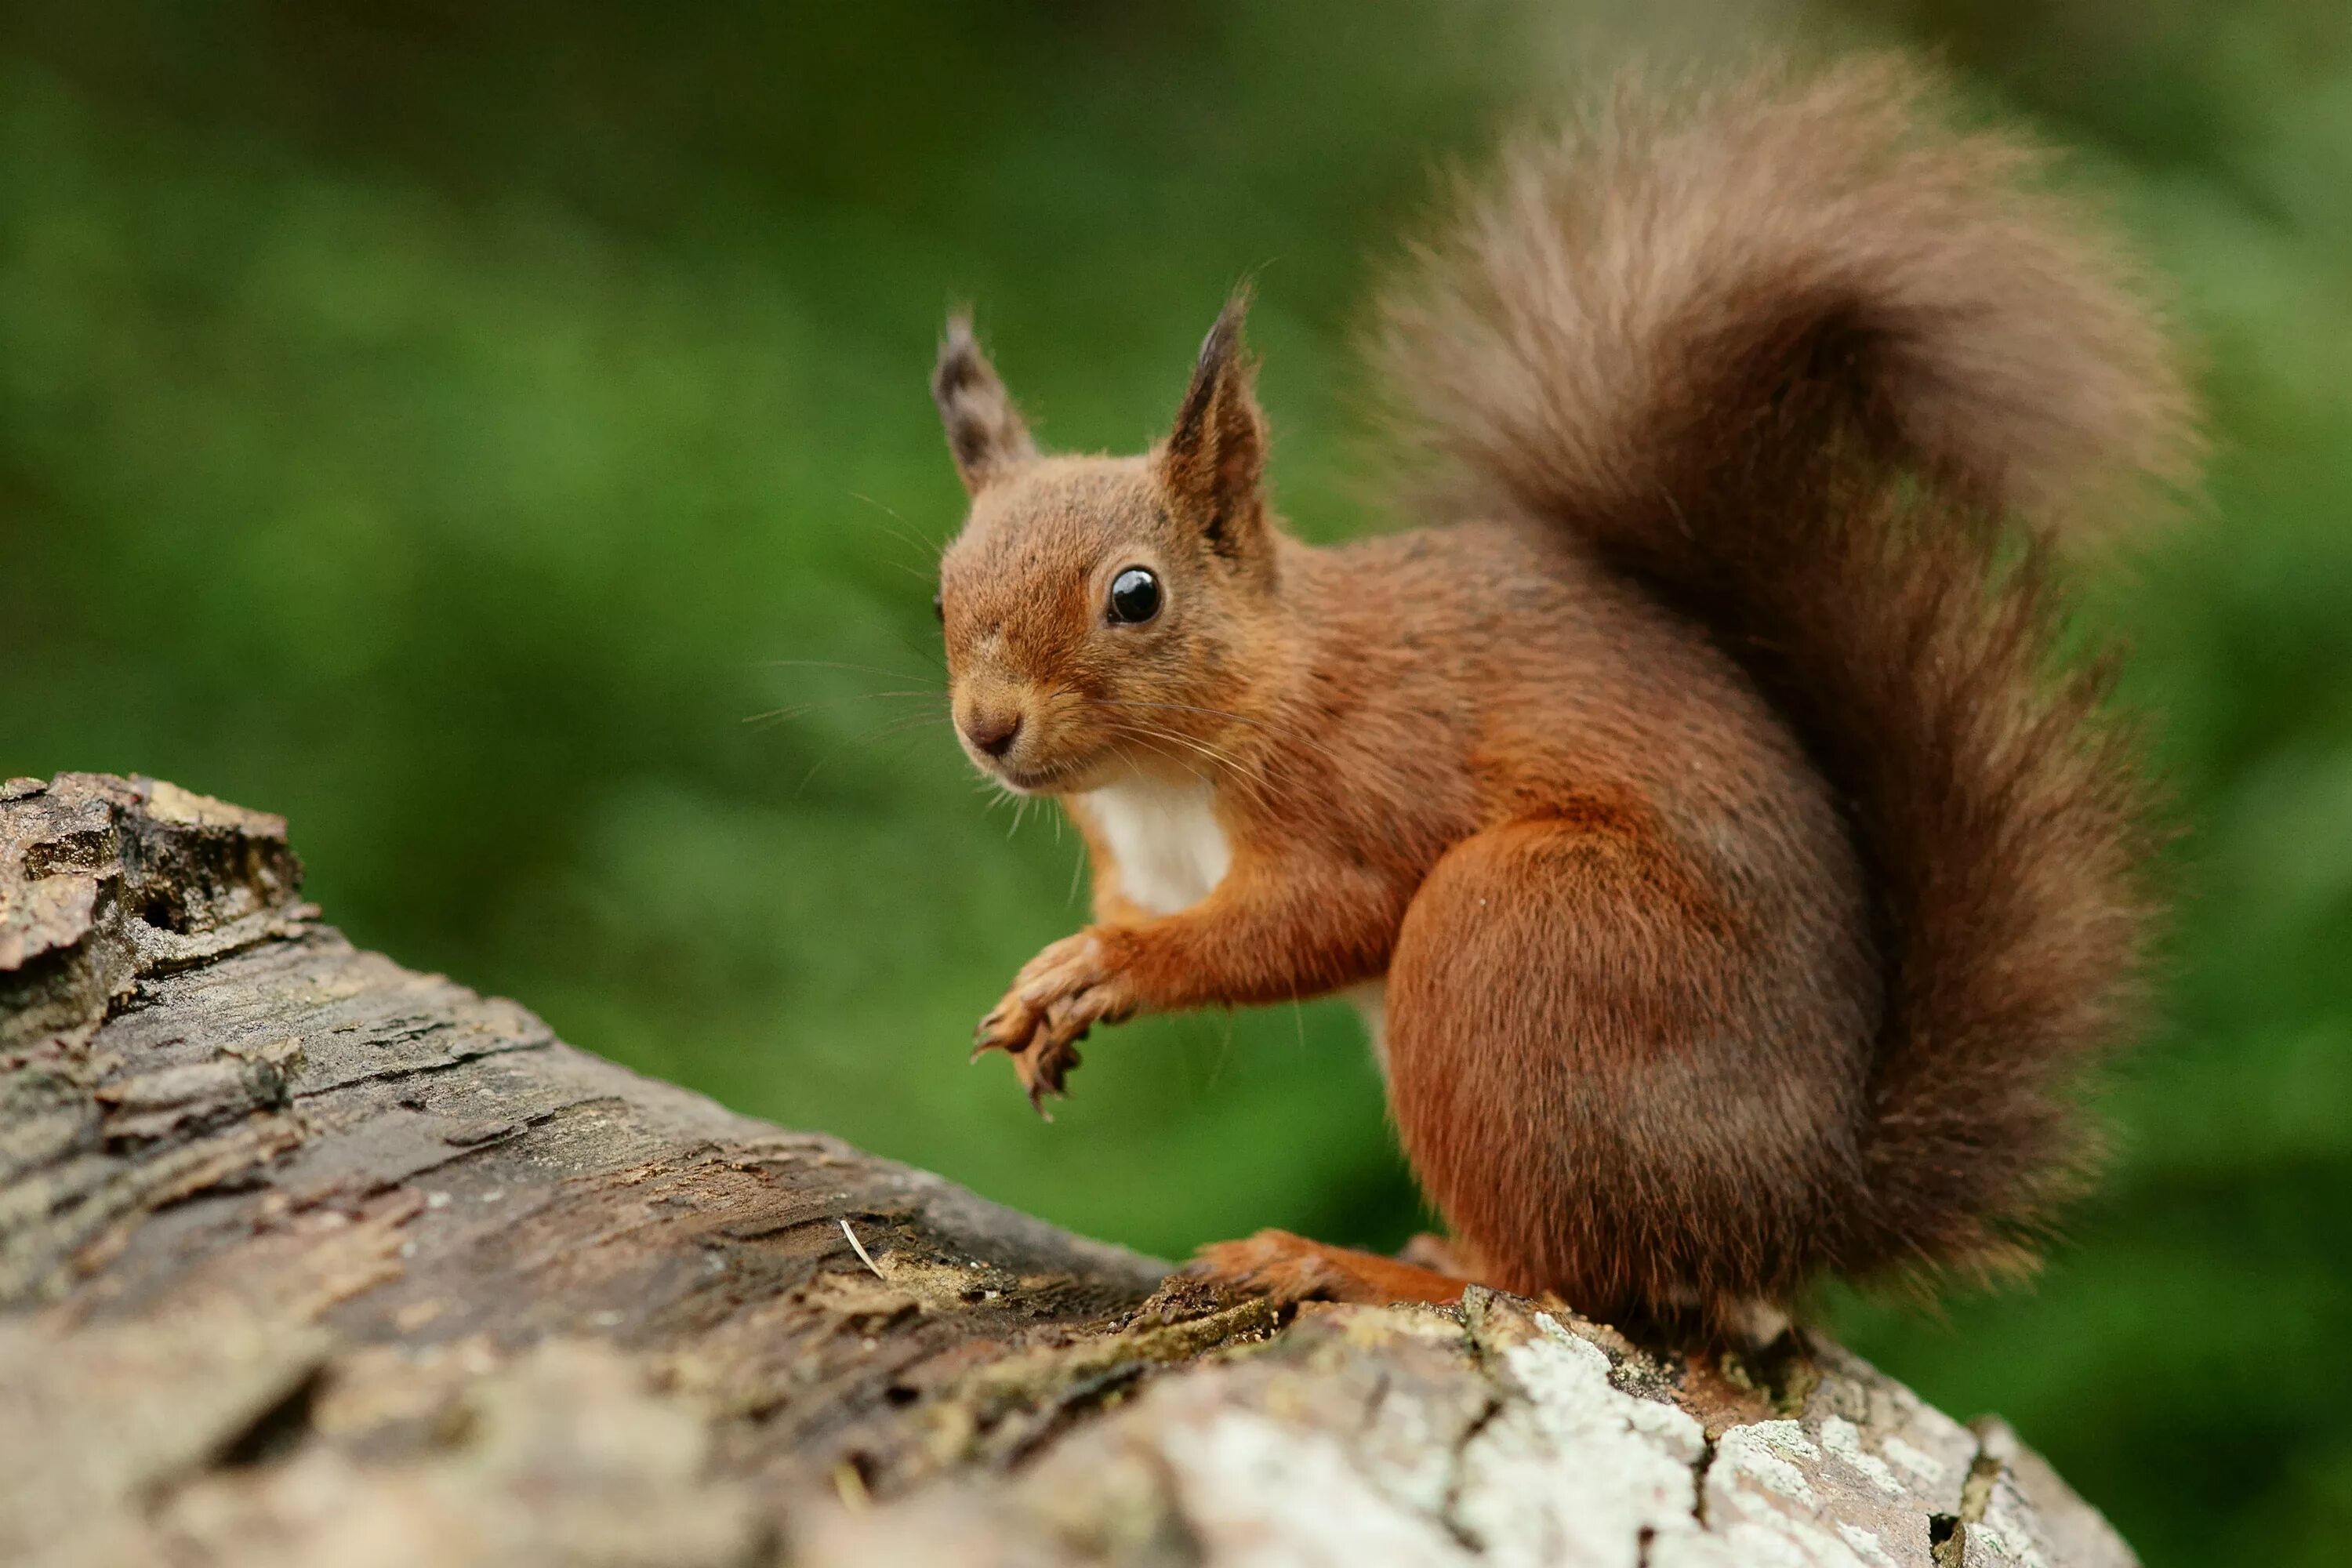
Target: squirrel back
1829, 381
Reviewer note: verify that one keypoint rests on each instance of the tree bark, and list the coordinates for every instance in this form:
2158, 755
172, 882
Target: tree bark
309, 1259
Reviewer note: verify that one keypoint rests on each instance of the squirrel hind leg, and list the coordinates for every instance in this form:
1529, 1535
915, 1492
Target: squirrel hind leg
1614, 1086
1290, 1269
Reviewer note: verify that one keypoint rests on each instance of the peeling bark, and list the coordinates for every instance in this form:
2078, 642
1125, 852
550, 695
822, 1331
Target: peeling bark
309, 1259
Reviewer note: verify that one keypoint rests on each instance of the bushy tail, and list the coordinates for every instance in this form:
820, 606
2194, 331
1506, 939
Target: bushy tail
1796, 357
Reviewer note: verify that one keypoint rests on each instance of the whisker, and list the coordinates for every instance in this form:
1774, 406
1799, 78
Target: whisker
799, 710
835, 664
1258, 792
1287, 732
896, 727
1204, 748
1283, 732
1224, 1049
1271, 763
1154, 739
900, 754
908, 538
929, 656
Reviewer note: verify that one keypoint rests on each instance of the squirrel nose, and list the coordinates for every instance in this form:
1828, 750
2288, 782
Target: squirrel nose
994, 733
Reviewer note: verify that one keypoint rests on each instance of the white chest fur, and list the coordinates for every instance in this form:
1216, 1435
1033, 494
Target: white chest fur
1163, 838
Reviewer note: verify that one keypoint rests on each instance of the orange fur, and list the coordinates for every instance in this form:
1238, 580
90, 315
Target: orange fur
1744, 880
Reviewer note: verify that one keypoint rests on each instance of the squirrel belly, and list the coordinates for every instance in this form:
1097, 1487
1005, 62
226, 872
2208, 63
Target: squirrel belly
1741, 874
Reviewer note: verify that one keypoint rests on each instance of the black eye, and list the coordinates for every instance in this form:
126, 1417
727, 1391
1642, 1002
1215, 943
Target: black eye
939, 604
1134, 596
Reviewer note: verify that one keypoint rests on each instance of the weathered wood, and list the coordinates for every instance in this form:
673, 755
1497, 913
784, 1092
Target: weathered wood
306, 1258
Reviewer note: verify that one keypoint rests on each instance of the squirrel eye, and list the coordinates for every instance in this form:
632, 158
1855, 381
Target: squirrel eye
1134, 596
939, 604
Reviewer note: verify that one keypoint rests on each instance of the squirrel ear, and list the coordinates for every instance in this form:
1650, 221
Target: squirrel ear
985, 433
1214, 457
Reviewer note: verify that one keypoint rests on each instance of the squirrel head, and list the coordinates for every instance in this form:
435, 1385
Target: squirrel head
1099, 611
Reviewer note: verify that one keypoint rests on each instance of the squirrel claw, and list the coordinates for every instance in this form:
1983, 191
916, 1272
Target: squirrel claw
1042, 1055
1045, 1071
1057, 998
1002, 1030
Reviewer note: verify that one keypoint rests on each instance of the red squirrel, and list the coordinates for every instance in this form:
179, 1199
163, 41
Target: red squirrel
1732, 873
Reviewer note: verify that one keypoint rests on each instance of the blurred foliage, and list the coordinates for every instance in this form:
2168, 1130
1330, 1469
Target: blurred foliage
442, 424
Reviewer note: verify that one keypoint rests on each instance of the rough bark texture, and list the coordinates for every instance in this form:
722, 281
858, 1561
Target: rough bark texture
309, 1259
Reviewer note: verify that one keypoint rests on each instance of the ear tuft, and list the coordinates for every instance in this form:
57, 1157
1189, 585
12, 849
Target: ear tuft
1216, 457
985, 433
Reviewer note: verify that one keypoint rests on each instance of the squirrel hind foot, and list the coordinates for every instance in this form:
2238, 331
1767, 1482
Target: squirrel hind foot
1748, 1324
1444, 1254
1288, 1269
1755, 1322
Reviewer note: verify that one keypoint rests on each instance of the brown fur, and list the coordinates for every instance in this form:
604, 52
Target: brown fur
1745, 883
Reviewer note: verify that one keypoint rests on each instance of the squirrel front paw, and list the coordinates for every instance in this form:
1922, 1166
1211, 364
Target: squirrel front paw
1057, 996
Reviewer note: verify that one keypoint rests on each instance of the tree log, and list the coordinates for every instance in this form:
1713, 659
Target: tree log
309, 1259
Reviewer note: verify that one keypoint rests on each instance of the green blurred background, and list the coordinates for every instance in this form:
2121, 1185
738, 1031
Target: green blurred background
439, 422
